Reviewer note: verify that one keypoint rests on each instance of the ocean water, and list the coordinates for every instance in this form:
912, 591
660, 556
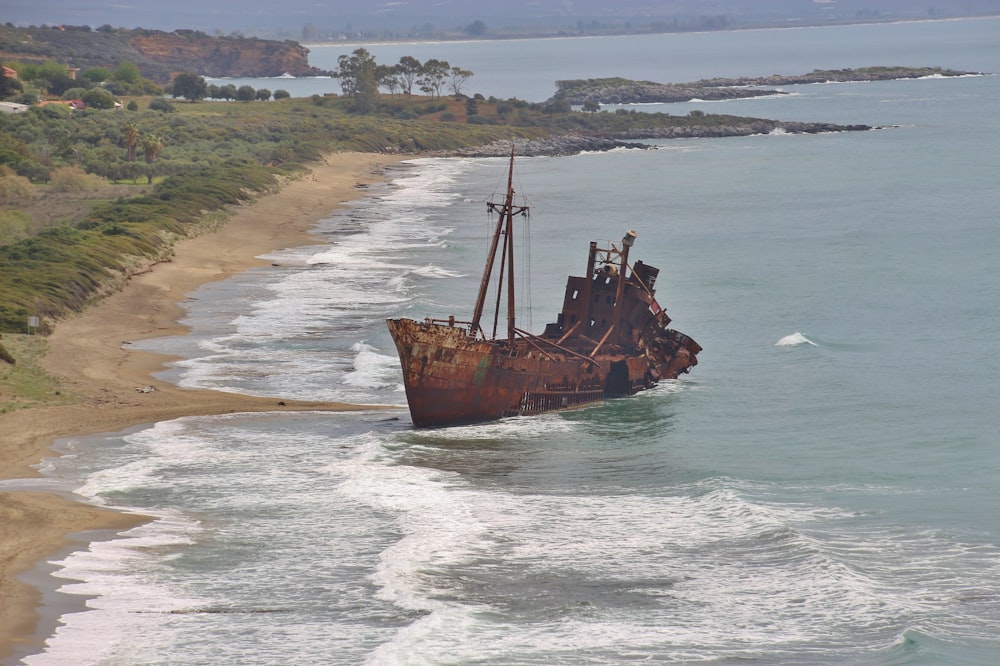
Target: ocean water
822, 488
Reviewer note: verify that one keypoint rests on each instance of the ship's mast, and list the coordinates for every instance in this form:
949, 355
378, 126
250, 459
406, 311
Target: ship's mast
627, 242
504, 227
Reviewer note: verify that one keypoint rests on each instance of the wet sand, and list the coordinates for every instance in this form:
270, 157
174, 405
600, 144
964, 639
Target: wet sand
91, 355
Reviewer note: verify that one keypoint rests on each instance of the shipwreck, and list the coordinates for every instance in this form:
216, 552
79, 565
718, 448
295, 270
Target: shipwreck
611, 339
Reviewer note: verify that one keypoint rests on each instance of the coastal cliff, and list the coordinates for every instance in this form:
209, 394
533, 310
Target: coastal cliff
159, 55
218, 56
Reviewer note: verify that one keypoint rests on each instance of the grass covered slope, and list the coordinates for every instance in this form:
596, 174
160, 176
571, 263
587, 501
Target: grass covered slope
210, 157
190, 164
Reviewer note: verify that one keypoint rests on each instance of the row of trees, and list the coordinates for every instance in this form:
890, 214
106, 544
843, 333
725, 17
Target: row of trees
361, 78
193, 87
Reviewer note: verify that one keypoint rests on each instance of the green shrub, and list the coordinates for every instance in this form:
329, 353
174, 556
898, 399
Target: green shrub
15, 188
5, 355
15, 225
480, 120
162, 104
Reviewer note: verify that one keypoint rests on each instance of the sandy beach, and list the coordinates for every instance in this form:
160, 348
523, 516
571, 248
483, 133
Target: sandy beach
90, 353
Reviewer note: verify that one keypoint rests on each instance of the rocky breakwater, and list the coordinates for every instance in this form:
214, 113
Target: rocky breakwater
225, 56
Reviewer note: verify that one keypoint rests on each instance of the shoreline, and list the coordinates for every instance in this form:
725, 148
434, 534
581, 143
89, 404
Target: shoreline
90, 354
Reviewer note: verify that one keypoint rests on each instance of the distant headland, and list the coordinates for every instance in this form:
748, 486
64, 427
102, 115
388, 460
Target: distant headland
625, 91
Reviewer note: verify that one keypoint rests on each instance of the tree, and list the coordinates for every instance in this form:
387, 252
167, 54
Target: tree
51, 75
127, 72
96, 74
98, 98
116, 87
388, 77
227, 92
352, 69
245, 93
9, 87
131, 171
131, 139
433, 75
73, 93
57, 83
263, 94
409, 69
591, 106
281, 94
152, 144
458, 77
190, 86
358, 76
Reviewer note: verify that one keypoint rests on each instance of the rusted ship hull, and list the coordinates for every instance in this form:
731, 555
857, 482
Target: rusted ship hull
452, 378
611, 338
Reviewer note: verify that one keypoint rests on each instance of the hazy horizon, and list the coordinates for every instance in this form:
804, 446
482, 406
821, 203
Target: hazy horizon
294, 18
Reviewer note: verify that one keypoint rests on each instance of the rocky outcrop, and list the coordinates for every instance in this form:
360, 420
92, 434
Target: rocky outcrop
572, 144
840, 76
224, 56
748, 128
622, 91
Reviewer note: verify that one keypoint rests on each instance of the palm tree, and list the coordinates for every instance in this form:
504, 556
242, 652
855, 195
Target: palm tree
131, 139
152, 144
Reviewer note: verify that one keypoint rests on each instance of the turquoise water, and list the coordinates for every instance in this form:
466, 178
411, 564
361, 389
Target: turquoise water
820, 489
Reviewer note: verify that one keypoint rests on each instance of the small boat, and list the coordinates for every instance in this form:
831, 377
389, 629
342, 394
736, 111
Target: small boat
611, 339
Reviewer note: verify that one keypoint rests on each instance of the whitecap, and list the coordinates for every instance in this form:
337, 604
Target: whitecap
794, 340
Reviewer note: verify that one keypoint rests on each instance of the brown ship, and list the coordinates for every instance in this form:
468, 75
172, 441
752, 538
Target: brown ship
611, 339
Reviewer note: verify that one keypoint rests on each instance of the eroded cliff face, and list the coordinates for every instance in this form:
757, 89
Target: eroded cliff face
223, 56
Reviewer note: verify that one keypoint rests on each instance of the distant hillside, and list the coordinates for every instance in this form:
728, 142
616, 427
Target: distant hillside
311, 20
157, 54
